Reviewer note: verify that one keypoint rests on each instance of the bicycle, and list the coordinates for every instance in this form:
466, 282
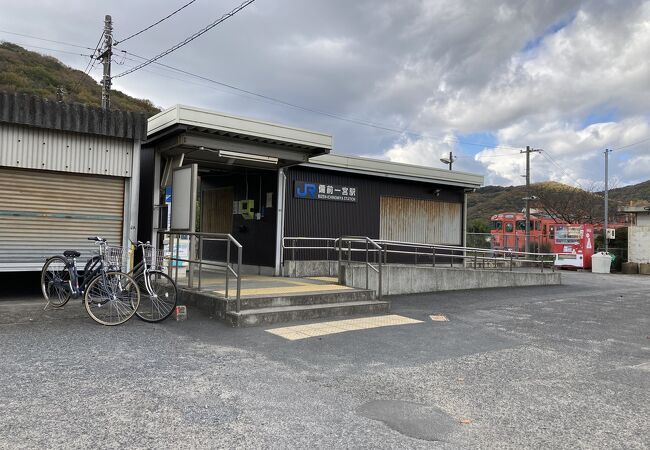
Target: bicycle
158, 291
110, 296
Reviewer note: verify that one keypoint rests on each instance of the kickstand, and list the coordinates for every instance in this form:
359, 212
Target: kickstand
47, 305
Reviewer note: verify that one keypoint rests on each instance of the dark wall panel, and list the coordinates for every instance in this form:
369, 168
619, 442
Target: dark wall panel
323, 218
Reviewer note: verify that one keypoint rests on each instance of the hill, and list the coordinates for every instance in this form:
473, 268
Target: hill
566, 202
32, 73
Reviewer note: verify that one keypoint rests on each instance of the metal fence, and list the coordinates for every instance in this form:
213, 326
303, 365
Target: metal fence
195, 259
376, 253
503, 241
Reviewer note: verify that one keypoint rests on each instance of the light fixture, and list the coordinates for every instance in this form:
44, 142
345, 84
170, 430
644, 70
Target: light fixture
448, 160
247, 157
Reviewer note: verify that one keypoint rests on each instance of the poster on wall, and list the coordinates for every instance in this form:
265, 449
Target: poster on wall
320, 191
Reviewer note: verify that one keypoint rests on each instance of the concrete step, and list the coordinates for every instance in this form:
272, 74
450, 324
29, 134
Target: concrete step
270, 315
304, 299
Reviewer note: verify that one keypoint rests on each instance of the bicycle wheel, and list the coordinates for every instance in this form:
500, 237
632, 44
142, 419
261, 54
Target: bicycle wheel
112, 298
157, 303
55, 281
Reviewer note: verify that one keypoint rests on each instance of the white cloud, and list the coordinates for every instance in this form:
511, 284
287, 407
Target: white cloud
436, 67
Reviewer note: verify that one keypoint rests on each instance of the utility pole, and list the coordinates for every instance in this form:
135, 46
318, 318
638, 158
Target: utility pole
528, 151
607, 152
105, 56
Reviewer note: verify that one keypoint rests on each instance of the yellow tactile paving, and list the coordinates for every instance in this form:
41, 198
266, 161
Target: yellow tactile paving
297, 332
290, 289
328, 279
438, 318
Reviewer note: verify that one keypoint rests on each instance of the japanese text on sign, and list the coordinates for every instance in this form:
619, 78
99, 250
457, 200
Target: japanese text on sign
320, 191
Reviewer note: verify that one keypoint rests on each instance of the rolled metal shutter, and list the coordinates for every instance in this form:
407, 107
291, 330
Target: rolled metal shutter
44, 213
420, 221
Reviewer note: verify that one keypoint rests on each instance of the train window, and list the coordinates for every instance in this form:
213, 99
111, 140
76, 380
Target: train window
538, 225
521, 225
551, 232
497, 225
544, 229
509, 227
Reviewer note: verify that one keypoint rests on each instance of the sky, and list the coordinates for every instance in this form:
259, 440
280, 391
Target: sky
408, 81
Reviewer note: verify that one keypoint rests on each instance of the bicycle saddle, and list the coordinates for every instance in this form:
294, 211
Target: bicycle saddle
97, 239
71, 254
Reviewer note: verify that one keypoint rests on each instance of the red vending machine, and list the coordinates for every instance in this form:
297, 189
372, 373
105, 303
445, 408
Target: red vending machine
573, 245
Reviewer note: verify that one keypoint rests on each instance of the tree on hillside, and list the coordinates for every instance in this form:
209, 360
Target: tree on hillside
573, 205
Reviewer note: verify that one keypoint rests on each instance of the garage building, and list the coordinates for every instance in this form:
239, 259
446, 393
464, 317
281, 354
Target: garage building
67, 171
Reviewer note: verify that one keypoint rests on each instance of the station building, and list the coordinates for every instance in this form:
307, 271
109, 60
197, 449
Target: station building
67, 171
265, 182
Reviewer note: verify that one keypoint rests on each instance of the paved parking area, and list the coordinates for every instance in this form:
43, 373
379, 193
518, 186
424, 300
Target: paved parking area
551, 367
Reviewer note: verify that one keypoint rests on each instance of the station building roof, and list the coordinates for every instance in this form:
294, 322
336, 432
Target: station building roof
389, 169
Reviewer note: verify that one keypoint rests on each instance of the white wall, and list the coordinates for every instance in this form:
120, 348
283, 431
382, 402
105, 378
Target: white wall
638, 244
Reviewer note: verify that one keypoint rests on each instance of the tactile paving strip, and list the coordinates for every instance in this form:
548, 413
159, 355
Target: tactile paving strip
340, 326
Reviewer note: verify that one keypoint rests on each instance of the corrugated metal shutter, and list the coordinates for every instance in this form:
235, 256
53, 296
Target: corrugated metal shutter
421, 221
44, 213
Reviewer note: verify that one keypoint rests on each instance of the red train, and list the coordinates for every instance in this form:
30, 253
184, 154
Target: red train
572, 243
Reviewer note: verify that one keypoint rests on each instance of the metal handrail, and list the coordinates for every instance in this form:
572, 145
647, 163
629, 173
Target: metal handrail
203, 237
368, 265
451, 252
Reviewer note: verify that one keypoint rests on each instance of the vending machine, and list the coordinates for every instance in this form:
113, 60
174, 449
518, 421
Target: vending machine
573, 245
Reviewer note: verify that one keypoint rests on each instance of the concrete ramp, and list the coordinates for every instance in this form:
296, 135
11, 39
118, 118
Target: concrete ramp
409, 279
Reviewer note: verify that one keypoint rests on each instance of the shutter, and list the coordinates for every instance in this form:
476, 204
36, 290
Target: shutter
44, 213
420, 221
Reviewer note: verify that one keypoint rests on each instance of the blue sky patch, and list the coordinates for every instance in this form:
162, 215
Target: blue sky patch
557, 26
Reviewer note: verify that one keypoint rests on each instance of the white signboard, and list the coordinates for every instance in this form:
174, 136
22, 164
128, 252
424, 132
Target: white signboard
184, 198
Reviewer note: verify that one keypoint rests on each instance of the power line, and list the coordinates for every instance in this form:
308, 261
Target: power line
45, 39
49, 49
633, 144
188, 39
275, 100
89, 66
153, 24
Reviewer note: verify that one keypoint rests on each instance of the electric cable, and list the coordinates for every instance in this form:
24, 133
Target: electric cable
45, 39
153, 24
188, 39
275, 100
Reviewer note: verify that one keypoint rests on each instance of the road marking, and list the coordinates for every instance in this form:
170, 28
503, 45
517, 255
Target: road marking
297, 332
439, 318
290, 289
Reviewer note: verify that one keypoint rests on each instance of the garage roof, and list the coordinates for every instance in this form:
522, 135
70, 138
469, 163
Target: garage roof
389, 169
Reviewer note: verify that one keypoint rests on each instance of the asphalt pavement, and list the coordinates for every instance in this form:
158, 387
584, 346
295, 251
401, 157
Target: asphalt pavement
544, 367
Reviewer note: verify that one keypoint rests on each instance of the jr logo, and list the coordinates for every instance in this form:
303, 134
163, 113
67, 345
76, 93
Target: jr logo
306, 190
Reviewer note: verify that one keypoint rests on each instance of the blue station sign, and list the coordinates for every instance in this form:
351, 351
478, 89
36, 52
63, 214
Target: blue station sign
319, 191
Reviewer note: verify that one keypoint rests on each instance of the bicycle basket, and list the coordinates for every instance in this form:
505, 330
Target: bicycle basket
115, 256
155, 258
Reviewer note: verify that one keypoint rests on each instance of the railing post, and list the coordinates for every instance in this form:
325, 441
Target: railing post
475, 259
170, 243
349, 254
200, 259
452, 258
239, 258
511, 261
190, 251
367, 264
542, 257
178, 238
379, 277
433, 254
293, 258
227, 264
340, 260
